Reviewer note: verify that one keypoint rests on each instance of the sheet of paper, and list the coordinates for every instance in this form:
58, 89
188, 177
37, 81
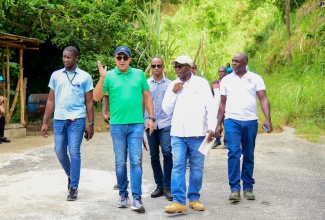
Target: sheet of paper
205, 146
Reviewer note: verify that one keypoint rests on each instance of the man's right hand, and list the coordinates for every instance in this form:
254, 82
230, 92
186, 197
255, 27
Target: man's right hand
44, 130
102, 70
219, 130
106, 118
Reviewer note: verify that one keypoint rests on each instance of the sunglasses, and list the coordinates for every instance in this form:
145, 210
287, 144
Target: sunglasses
154, 66
180, 66
119, 58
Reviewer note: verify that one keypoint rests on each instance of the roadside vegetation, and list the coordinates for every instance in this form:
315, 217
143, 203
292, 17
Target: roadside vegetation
210, 31
293, 68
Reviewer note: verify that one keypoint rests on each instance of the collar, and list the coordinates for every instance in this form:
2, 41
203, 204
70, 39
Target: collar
118, 72
72, 72
247, 74
153, 80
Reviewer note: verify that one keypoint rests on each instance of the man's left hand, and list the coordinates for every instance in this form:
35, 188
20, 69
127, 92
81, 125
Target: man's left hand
210, 135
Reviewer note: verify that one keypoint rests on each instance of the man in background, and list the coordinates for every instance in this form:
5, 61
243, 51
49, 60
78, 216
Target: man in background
161, 134
2, 112
228, 69
216, 95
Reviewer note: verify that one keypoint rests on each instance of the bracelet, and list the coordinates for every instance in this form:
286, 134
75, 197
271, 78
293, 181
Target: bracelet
91, 123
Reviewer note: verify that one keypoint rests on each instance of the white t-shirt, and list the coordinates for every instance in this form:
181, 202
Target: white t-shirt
241, 95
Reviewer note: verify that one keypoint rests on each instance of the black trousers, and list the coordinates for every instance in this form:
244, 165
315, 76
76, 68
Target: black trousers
2, 126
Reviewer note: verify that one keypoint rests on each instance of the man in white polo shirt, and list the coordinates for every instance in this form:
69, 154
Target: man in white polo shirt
238, 107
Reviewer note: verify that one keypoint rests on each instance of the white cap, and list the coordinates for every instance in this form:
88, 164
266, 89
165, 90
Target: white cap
182, 60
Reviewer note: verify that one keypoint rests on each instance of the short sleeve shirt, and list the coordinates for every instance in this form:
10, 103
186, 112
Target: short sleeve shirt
125, 95
241, 95
69, 93
157, 92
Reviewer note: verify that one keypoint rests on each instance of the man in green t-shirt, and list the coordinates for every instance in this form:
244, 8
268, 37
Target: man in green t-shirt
2, 112
127, 89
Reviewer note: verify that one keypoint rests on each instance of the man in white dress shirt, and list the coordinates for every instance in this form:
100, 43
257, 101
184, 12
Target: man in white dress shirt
190, 101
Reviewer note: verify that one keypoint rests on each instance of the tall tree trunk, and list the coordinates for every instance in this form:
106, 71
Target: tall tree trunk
288, 28
288, 18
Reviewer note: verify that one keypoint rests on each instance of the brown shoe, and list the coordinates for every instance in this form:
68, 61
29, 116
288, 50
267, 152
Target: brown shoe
115, 187
175, 208
196, 205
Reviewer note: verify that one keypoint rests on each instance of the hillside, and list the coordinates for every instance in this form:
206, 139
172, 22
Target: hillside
293, 68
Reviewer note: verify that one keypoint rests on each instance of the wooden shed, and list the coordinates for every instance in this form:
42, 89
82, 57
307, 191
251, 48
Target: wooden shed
14, 42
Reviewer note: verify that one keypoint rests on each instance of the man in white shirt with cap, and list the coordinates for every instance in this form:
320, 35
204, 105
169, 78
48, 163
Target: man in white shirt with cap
190, 101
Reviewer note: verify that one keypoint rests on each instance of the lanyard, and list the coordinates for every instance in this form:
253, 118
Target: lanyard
72, 78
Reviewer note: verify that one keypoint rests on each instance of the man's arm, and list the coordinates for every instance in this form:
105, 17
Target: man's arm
90, 114
221, 114
169, 99
149, 106
105, 102
49, 109
98, 90
265, 105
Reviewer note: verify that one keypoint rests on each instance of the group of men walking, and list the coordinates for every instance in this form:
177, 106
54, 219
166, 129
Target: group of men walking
176, 116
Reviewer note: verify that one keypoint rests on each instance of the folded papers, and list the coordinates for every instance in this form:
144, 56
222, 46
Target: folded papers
205, 146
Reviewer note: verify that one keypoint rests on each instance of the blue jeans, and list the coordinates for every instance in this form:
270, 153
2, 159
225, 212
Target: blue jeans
161, 137
241, 137
68, 136
127, 138
183, 148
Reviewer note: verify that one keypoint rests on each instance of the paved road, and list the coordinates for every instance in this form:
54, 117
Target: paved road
289, 174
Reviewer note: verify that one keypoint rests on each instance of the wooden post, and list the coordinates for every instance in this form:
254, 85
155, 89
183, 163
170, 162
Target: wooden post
21, 87
25, 112
8, 85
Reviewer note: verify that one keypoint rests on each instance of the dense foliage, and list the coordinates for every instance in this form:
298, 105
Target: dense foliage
95, 27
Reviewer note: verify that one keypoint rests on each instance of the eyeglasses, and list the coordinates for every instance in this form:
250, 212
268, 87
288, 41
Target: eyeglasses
154, 66
119, 58
180, 66
193, 68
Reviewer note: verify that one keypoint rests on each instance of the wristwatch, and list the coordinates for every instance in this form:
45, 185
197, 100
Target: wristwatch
153, 119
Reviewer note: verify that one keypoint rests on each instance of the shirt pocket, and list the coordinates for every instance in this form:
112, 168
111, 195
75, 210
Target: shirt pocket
77, 90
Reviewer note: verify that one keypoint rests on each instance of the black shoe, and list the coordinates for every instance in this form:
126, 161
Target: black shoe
4, 139
168, 194
158, 192
69, 181
73, 193
216, 144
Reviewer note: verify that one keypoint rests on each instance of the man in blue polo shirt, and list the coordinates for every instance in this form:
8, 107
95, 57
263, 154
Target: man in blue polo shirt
70, 98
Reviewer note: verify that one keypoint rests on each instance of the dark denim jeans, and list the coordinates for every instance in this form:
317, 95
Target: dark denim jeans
127, 139
68, 137
161, 137
241, 137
